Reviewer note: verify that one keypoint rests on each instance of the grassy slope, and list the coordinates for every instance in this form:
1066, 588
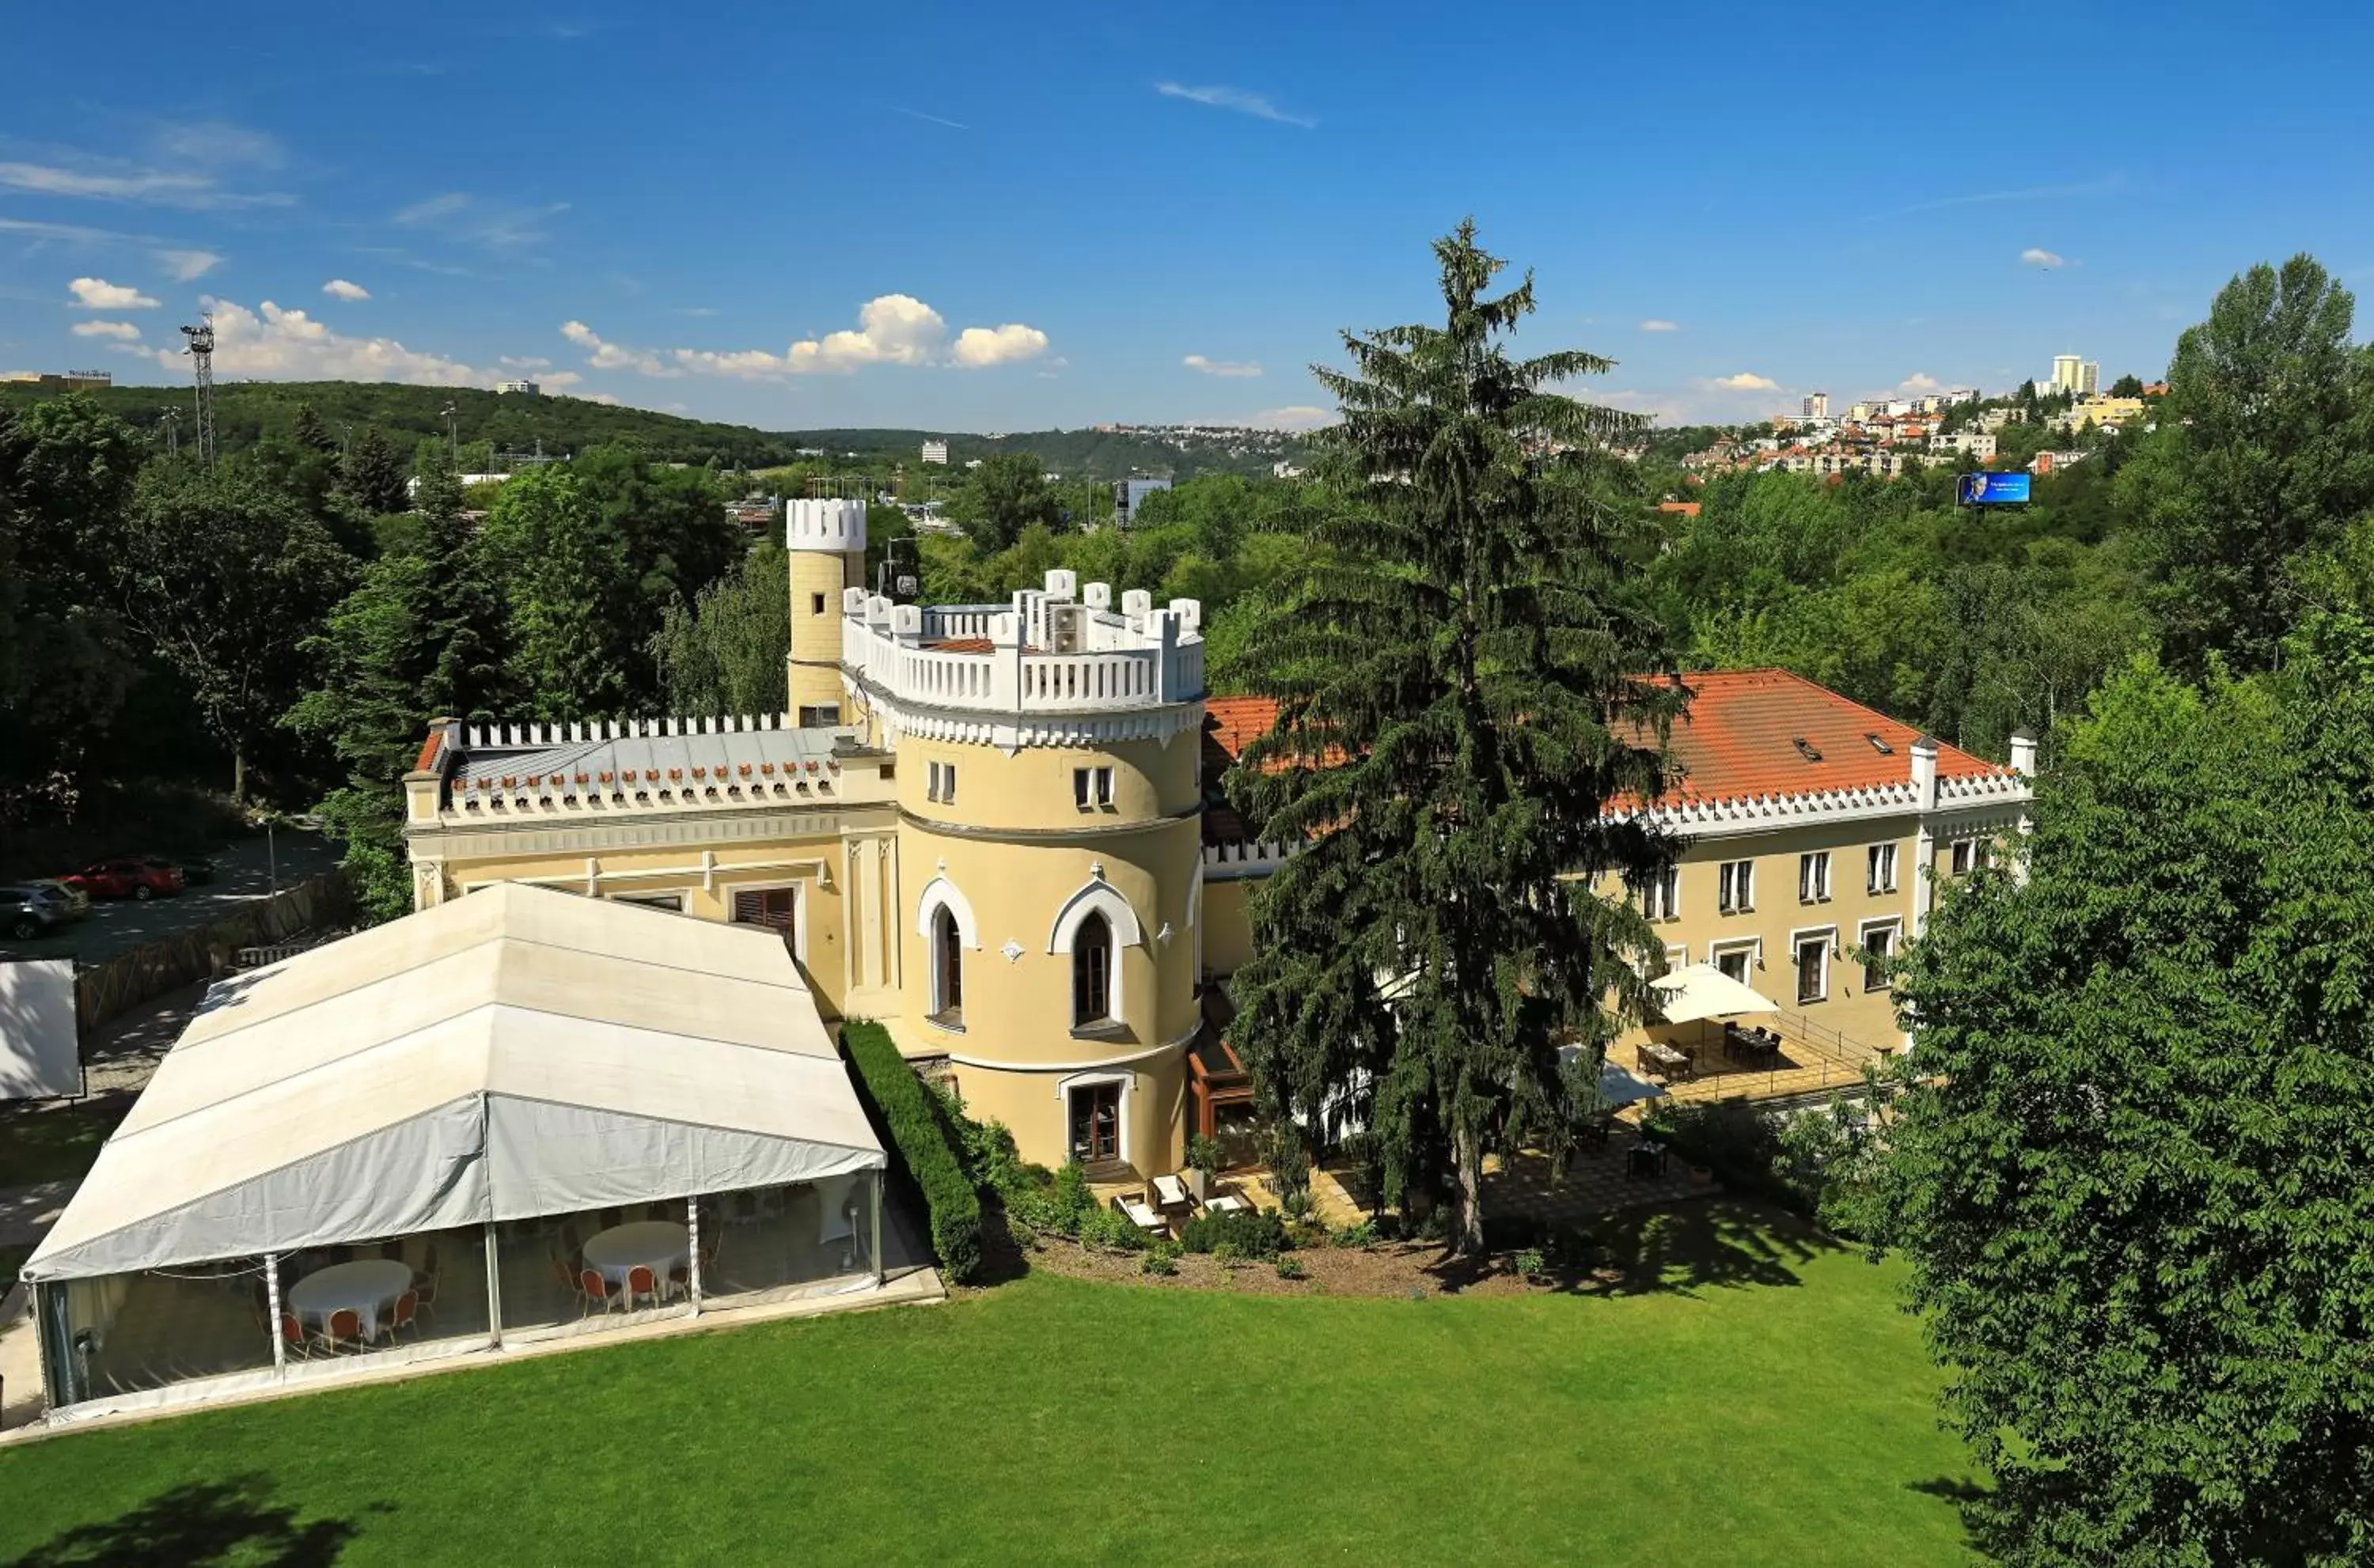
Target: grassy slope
1054, 1420
48, 1142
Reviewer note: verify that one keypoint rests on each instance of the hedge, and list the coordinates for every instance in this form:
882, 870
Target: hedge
904, 1107
1256, 1233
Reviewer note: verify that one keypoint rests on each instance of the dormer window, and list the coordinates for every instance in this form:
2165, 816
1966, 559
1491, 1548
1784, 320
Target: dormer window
1807, 749
1882, 747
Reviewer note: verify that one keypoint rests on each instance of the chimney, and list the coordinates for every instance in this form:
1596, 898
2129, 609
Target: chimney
1925, 772
2023, 752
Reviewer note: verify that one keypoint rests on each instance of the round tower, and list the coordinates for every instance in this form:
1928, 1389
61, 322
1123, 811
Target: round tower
827, 539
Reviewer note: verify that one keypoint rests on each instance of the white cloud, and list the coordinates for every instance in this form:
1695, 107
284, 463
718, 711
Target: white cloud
1655, 324
478, 220
1747, 381
218, 142
892, 328
2037, 256
122, 184
978, 347
271, 344
1235, 99
606, 356
122, 331
186, 265
98, 294
1919, 381
1221, 366
340, 288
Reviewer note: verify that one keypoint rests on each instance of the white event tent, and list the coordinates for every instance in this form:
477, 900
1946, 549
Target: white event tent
452, 1101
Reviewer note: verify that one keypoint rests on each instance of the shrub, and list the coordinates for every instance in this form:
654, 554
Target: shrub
1820, 1163
1531, 1264
1062, 1205
1363, 1235
1289, 1267
1204, 1153
1159, 1260
1227, 1254
1297, 1203
1110, 1228
1257, 1232
910, 1113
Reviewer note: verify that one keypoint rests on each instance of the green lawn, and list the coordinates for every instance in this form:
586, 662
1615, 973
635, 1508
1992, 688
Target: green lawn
48, 1142
1767, 1404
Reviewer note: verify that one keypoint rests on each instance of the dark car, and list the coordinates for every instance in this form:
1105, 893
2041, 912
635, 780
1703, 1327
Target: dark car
128, 876
29, 909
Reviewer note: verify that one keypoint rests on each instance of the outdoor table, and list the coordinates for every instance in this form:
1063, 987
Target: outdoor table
656, 1244
367, 1289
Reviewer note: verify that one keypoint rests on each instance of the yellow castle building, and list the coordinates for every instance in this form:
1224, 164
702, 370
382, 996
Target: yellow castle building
996, 829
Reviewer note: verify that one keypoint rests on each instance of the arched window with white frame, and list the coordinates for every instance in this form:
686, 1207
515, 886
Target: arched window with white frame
1093, 956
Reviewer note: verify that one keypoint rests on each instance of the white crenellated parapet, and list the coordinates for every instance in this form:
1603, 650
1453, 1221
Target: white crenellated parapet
1052, 650
828, 524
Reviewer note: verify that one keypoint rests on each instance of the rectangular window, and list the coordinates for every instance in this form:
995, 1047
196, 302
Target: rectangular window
1734, 962
940, 783
1660, 895
816, 604
1814, 877
768, 907
1881, 869
1736, 887
820, 716
1092, 787
1879, 949
1965, 856
1813, 968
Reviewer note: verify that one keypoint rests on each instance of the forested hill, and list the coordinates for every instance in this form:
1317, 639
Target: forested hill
1166, 452
245, 412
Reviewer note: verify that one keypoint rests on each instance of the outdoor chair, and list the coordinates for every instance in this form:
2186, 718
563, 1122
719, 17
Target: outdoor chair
425, 1280
640, 1283
405, 1316
560, 1271
680, 1281
343, 1329
292, 1335
593, 1287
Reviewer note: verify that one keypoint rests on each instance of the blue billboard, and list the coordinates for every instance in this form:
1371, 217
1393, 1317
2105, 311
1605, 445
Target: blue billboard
1993, 489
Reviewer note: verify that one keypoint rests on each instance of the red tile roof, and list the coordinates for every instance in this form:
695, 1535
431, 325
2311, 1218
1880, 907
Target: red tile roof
428, 749
960, 645
1740, 739
1741, 736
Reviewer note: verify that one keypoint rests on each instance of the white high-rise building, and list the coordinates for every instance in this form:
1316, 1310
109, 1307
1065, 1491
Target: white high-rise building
936, 452
2071, 374
1817, 405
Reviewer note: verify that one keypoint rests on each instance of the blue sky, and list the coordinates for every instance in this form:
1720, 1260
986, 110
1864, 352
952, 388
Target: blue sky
967, 217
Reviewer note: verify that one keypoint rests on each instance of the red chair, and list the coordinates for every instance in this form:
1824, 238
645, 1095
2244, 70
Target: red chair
426, 1279
641, 1282
406, 1315
292, 1334
593, 1287
344, 1328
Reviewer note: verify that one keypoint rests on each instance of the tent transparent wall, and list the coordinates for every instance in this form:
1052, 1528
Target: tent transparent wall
128, 1336
596, 1269
776, 1243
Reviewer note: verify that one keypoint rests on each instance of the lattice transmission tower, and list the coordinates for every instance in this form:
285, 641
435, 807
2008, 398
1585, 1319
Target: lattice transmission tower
200, 351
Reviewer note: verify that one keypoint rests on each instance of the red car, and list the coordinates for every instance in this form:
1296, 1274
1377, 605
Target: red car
131, 876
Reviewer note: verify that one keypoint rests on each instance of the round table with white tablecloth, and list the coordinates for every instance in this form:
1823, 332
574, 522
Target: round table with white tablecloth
368, 1288
656, 1244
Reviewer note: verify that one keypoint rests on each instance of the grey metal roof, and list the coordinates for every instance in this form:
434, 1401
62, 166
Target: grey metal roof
630, 755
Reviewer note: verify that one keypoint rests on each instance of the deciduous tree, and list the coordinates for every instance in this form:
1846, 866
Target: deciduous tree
2135, 1181
2265, 447
1462, 695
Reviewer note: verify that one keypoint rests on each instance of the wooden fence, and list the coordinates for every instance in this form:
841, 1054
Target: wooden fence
107, 990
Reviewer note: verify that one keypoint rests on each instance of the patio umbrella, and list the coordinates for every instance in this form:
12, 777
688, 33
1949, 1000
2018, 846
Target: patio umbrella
1698, 991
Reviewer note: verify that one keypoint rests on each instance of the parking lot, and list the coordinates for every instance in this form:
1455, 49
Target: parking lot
244, 872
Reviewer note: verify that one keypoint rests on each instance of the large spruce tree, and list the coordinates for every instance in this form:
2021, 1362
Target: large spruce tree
1464, 688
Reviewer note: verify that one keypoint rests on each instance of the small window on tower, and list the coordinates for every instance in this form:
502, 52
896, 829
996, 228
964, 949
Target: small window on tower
816, 604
